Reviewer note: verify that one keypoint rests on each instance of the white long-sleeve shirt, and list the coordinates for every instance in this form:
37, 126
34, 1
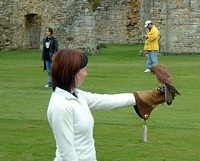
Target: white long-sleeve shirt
72, 122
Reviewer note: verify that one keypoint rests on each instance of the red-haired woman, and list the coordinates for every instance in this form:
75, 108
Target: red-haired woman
69, 110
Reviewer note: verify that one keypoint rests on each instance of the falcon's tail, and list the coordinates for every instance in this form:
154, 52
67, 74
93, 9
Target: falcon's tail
170, 93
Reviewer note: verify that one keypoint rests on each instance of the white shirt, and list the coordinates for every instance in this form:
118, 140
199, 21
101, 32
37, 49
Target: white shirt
72, 122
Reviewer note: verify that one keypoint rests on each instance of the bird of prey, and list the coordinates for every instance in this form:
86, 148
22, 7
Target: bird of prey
166, 83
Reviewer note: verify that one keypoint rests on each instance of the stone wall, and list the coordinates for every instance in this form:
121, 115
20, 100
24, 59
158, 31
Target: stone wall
5, 32
25, 23
118, 22
76, 24
179, 23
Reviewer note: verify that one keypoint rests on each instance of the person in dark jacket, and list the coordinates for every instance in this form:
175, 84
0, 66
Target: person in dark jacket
50, 47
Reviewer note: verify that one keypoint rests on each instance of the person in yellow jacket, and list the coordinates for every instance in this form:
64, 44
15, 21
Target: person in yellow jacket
151, 45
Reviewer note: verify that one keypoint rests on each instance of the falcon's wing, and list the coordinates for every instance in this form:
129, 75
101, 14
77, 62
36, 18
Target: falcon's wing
162, 73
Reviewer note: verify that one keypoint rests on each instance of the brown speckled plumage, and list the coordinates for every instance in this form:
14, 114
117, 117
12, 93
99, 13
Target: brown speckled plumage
164, 77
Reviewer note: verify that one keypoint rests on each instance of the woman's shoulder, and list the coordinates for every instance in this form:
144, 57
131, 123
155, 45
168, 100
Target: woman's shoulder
54, 37
45, 38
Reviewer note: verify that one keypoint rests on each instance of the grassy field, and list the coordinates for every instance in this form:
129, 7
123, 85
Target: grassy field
173, 132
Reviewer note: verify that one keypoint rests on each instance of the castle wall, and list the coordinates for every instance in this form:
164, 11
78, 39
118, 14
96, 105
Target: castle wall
76, 24
5, 32
179, 23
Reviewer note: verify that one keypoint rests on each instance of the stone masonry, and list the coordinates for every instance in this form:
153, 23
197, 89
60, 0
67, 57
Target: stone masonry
78, 24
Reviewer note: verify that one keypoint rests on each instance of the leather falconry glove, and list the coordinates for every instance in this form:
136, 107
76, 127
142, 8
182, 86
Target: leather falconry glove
146, 101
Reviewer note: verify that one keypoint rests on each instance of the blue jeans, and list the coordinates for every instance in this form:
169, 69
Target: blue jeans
48, 67
152, 58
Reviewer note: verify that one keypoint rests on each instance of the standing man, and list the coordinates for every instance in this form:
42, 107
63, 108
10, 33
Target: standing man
50, 47
151, 45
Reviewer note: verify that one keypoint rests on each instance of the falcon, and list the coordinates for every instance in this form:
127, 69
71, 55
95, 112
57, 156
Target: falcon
165, 80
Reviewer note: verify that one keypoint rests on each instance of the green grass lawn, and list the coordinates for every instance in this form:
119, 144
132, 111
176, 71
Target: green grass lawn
173, 132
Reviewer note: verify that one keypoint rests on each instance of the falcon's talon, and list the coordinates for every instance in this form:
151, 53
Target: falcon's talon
161, 89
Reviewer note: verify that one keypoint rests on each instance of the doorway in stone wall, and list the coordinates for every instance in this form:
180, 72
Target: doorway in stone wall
32, 31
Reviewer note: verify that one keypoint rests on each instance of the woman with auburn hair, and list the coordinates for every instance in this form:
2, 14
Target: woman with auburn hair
69, 110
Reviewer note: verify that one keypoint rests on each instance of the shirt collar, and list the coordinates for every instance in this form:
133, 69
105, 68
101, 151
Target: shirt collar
65, 93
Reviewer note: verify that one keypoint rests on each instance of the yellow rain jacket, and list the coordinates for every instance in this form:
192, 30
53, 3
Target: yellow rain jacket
151, 42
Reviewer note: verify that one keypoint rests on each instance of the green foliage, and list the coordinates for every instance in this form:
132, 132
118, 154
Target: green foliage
173, 132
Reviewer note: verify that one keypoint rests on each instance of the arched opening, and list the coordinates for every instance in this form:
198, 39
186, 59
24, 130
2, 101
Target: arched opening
32, 31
